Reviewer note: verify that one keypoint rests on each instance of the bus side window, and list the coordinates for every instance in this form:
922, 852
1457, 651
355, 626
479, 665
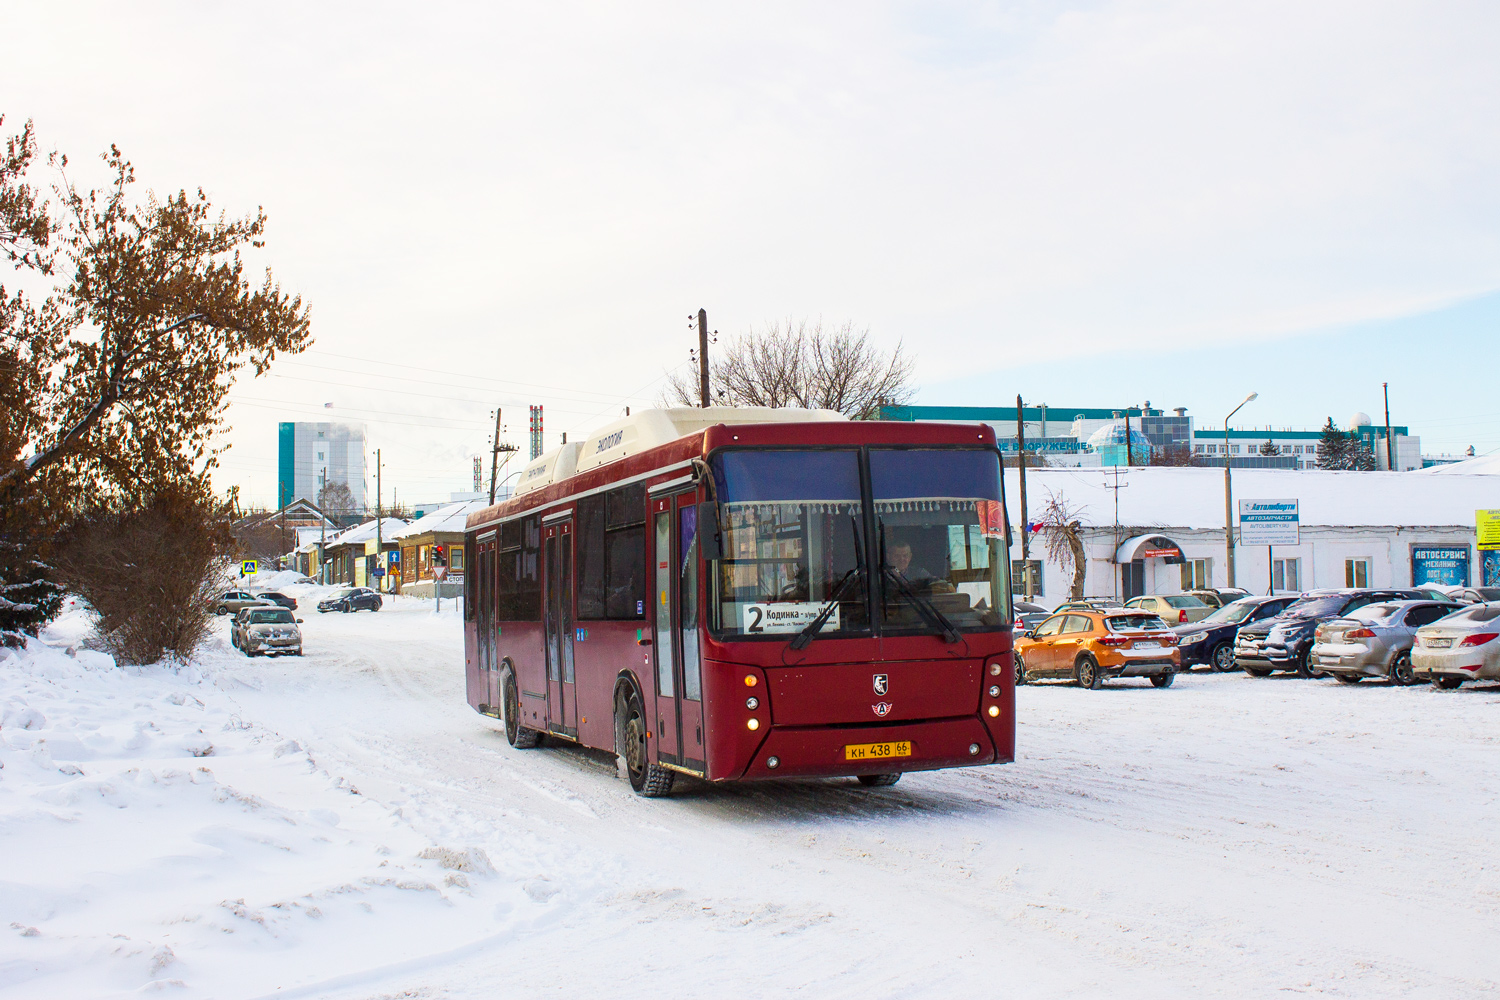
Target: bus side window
528, 599
589, 558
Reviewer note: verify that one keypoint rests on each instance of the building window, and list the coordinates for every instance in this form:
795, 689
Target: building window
1286, 574
1356, 572
456, 558
1198, 448
1018, 570
1197, 574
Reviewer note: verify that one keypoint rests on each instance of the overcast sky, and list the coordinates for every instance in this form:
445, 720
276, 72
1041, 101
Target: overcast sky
1091, 204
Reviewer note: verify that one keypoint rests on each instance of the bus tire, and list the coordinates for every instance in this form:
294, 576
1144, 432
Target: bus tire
631, 735
516, 734
879, 780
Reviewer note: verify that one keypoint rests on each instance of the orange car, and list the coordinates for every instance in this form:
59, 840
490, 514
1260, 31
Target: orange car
1089, 646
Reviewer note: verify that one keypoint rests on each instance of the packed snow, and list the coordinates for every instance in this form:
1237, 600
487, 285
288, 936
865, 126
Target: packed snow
343, 825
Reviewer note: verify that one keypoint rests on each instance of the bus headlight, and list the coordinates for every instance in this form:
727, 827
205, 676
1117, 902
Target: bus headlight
753, 725
994, 711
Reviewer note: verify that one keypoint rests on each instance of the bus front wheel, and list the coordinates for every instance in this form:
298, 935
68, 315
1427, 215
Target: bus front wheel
879, 780
648, 779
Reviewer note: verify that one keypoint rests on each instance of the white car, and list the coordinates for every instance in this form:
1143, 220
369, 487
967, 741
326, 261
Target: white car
1465, 646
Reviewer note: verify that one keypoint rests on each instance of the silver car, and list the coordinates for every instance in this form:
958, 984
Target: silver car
1174, 609
269, 630
1465, 646
1375, 640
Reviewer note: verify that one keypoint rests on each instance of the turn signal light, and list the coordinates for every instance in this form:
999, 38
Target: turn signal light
1112, 640
994, 711
749, 680
753, 725
1359, 633
1182, 615
1479, 638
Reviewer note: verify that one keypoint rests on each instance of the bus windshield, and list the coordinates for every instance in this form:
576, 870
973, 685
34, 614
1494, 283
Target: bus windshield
942, 538
793, 533
795, 542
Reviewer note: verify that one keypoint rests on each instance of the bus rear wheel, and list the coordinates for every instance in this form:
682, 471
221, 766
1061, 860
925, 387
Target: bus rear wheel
879, 780
516, 734
648, 779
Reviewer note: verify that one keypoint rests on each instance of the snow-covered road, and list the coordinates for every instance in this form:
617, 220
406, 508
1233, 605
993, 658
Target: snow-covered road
357, 831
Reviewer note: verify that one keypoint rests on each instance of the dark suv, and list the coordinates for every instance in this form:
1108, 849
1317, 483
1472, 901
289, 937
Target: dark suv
1285, 641
1211, 640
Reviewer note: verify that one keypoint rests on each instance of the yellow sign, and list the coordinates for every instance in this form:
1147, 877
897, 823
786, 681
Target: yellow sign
249, 566
1488, 522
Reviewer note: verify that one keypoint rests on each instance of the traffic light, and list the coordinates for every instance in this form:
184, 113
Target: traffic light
439, 556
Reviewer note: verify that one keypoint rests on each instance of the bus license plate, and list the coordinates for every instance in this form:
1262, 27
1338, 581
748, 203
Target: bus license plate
877, 751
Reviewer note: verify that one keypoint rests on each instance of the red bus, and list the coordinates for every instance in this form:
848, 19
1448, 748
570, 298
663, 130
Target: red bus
747, 593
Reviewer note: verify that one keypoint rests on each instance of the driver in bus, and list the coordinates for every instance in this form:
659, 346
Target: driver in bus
900, 557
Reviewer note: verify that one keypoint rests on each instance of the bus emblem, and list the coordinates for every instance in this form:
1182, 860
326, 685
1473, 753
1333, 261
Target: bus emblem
882, 684
882, 708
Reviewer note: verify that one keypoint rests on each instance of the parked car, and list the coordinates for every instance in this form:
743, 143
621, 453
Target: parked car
1029, 615
1090, 646
1089, 604
1461, 647
275, 597
231, 602
1218, 596
1211, 640
1174, 608
351, 599
1285, 641
1476, 595
1375, 640
269, 630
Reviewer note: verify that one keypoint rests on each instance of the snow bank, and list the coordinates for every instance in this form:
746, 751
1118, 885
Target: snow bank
154, 837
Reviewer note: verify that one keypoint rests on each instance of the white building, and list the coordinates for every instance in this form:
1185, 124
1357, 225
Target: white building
312, 454
1377, 529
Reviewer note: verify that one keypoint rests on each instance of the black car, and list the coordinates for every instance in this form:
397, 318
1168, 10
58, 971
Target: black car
290, 603
352, 599
1285, 641
1211, 640
1029, 616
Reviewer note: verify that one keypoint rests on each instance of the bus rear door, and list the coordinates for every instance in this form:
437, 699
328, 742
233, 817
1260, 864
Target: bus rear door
557, 613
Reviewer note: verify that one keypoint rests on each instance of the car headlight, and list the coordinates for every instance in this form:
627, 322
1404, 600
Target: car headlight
1188, 640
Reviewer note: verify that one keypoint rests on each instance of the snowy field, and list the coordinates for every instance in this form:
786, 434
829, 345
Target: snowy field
344, 826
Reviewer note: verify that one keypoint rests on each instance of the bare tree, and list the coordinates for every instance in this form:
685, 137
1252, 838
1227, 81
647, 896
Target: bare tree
336, 499
803, 365
1059, 526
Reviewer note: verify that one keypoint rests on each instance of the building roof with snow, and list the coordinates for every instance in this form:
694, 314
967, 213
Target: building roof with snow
1479, 465
447, 519
1166, 497
361, 533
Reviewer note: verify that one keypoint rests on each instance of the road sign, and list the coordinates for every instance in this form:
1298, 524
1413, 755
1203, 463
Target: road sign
1488, 523
438, 572
248, 567
377, 571
1269, 522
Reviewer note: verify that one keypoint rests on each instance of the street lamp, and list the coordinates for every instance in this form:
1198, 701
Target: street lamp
1229, 500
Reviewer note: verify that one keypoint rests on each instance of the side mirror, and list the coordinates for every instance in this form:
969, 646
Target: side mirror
299, 621
1029, 634
710, 539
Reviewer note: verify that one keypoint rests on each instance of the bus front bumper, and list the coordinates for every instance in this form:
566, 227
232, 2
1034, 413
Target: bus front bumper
830, 751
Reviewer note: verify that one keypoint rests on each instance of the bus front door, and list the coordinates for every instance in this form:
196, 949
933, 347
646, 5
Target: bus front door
679, 708
557, 613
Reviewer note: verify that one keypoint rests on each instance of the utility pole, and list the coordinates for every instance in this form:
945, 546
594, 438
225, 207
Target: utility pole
703, 357
1128, 456
495, 450
1025, 521
379, 542
1390, 445
1228, 499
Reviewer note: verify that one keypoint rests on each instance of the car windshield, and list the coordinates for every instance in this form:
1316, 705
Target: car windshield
1488, 593
1231, 613
1133, 623
942, 537
272, 616
1373, 612
1478, 613
1318, 607
794, 538
1184, 601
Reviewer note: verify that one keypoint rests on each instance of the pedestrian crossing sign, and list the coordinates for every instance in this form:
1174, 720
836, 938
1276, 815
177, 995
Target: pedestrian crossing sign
248, 567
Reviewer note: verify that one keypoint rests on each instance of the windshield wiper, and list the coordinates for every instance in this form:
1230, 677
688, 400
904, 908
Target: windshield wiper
930, 614
805, 637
